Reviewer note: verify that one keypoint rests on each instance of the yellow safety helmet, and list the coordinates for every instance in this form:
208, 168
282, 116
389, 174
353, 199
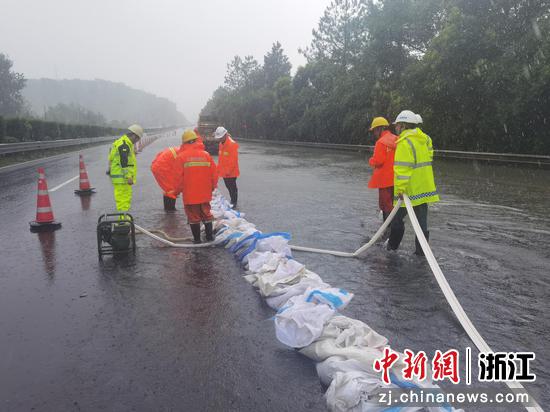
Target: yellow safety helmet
377, 122
188, 136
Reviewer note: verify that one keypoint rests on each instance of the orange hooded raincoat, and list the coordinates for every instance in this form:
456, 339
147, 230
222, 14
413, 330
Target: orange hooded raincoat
164, 170
382, 161
228, 158
198, 174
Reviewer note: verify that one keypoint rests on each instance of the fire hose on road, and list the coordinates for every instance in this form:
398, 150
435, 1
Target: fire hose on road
170, 243
459, 312
451, 298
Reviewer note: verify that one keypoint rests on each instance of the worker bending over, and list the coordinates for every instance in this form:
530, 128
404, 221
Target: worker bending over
163, 169
123, 167
413, 176
198, 180
382, 164
228, 162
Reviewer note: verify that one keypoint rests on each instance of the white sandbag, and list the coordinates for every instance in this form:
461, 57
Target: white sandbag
328, 368
299, 323
277, 244
288, 271
264, 261
302, 319
244, 235
352, 332
335, 298
308, 280
251, 278
357, 392
349, 338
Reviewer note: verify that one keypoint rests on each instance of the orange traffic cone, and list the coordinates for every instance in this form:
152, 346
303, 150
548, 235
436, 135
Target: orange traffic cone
84, 187
45, 221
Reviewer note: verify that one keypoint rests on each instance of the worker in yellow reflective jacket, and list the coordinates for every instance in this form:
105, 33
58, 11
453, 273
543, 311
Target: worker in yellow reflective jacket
413, 176
123, 166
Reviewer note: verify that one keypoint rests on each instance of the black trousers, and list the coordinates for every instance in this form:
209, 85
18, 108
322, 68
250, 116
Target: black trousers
398, 226
231, 184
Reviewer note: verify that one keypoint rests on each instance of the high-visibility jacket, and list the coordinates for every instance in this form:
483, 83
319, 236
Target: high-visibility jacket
164, 169
228, 158
413, 167
122, 161
382, 161
198, 174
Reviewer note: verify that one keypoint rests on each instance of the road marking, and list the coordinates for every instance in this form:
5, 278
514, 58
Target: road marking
64, 183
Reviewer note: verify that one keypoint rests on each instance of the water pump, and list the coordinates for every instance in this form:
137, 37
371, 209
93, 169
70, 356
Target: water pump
116, 234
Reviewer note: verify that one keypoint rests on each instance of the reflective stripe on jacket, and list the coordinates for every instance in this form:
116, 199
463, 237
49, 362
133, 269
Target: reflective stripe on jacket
228, 158
165, 171
122, 161
382, 161
413, 167
198, 174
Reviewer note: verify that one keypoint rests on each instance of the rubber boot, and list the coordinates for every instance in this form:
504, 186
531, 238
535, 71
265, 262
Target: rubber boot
196, 230
419, 251
208, 231
169, 203
396, 235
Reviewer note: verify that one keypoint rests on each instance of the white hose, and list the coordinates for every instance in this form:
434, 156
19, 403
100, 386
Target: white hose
371, 242
462, 317
464, 320
172, 244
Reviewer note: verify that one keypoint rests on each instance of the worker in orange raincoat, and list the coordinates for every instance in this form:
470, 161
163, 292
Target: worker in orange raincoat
382, 164
163, 170
228, 162
198, 179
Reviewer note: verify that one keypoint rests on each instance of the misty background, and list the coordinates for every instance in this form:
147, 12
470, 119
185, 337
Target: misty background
172, 49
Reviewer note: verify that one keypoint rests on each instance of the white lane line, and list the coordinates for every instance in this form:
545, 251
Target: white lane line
64, 183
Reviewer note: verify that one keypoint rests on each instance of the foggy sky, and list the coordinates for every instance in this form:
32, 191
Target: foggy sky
174, 49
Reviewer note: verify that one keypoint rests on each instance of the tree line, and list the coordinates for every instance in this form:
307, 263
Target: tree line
478, 71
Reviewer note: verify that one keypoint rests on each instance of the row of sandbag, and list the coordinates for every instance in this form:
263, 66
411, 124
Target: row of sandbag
307, 315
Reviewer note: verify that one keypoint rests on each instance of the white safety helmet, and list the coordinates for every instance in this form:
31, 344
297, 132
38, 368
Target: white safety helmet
137, 130
419, 119
406, 116
220, 133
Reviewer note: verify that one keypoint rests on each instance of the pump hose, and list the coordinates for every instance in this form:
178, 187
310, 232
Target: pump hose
167, 236
363, 248
169, 243
464, 320
459, 312
451, 298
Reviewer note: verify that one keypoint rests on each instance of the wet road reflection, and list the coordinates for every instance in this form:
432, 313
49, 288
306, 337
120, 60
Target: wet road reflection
177, 329
47, 246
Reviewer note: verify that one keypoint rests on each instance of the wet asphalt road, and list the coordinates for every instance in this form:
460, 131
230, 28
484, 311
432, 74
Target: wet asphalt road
181, 330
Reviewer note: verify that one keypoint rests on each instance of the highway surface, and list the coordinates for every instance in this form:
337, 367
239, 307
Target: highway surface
181, 330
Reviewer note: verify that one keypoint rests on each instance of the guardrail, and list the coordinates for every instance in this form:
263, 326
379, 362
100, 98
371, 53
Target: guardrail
536, 160
8, 148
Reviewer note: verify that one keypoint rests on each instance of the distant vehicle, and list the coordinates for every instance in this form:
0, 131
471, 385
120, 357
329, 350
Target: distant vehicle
207, 125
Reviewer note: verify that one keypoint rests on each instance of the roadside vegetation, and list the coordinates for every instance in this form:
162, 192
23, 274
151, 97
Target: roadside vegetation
478, 71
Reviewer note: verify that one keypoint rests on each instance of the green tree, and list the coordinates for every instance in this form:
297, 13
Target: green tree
341, 34
276, 65
11, 84
242, 73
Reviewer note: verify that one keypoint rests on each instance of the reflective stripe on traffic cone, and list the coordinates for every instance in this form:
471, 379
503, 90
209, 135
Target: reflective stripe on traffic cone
84, 186
44, 213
